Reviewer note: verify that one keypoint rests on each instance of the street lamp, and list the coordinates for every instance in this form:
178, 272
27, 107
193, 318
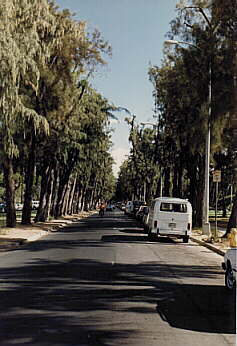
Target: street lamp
205, 215
148, 123
174, 42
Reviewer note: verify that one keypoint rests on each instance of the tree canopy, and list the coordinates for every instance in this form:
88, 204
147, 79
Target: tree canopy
181, 90
54, 125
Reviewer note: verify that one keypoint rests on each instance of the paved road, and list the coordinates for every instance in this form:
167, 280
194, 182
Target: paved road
101, 282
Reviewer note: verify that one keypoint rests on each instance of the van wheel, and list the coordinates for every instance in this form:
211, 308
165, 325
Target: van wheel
186, 239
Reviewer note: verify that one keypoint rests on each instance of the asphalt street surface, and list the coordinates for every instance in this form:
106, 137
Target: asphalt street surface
101, 282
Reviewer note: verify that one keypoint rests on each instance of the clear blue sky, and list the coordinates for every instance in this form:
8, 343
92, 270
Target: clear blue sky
136, 31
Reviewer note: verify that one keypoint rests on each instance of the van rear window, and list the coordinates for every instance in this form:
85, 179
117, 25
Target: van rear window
174, 207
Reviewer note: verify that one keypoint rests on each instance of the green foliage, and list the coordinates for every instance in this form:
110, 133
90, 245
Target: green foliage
181, 89
137, 174
181, 96
2, 195
49, 112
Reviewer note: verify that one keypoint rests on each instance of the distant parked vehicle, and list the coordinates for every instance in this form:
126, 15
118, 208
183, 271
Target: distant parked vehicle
140, 213
18, 206
118, 204
145, 218
129, 208
2, 207
136, 206
35, 205
110, 207
170, 216
123, 206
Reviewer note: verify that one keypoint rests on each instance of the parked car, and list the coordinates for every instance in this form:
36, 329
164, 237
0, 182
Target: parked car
145, 217
118, 204
170, 216
35, 205
18, 206
140, 213
129, 208
110, 207
136, 206
2, 207
229, 265
123, 206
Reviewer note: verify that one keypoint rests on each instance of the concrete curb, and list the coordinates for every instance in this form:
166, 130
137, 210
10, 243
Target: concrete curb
47, 228
207, 245
57, 224
36, 236
51, 228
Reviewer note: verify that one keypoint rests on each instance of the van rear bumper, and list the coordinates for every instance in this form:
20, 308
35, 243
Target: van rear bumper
175, 233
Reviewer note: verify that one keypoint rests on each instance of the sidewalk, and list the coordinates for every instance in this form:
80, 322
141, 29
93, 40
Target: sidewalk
219, 245
11, 238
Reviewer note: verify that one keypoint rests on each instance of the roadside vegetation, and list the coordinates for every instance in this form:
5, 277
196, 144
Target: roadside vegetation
54, 127
168, 158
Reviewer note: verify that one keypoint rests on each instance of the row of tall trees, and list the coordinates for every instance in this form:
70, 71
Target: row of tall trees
176, 154
54, 125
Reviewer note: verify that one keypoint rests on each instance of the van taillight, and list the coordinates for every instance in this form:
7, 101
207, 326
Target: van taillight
155, 224
189, 226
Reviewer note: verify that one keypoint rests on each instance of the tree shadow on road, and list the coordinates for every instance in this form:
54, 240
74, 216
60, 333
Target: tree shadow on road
80, 301
52, 303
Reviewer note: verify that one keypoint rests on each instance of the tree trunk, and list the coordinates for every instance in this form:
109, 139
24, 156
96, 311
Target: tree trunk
196, 187
10, 192
79, 198
175, 191
167, 182
83, 200
180, 180
58, 206
158, 188
54, 192
45, 195
96, 199
66, 198
29, 181
49, 193
93, 196
193, 196
62, 189
199, 204
72, 196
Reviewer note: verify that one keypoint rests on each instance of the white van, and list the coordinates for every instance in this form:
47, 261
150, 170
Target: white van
170, 216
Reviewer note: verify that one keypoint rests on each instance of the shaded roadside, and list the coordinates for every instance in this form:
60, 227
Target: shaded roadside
217, 244
10, 238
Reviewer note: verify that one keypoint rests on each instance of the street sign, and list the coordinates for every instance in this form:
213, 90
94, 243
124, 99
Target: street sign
217, 176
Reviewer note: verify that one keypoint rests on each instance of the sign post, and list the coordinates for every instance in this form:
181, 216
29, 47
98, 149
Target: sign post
216, 179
